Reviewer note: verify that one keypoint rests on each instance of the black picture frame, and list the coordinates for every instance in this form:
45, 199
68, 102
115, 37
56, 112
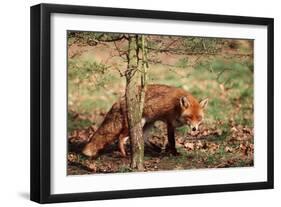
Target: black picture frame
41, 96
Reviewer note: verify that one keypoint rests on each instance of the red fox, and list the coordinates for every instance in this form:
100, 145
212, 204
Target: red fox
172, 105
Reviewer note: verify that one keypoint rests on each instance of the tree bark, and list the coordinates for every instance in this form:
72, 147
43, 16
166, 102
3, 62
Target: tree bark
134, 102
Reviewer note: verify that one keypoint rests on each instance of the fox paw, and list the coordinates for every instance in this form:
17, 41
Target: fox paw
87, 151
123, 154
172, 151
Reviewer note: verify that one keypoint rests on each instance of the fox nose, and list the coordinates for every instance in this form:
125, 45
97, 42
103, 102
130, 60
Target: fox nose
194, 129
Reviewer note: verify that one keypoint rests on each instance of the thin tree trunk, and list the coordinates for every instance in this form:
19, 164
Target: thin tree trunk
143, 71
134, 101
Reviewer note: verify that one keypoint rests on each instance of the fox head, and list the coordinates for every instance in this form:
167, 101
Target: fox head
192, 112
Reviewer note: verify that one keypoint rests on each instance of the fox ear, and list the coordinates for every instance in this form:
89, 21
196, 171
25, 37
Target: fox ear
203, 103
184, 103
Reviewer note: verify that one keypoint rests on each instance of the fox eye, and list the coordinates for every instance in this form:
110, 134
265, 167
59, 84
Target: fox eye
199, 118
189, 117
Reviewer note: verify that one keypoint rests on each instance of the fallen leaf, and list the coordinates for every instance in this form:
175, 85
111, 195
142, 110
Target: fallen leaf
92, 166
228, 149
199, 145
189, 145
233, 129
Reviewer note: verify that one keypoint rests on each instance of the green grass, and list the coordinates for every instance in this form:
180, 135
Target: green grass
76, 123
124, 168
183, 130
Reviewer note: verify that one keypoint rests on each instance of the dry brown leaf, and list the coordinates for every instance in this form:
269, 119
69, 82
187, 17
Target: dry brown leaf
199, 145
180, 140
218, 132
189, 145
233, 129
205, 133
92, 166
71, 157
228, 149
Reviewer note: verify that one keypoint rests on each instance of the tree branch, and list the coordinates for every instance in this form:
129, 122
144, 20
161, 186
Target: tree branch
187, 52
113, 39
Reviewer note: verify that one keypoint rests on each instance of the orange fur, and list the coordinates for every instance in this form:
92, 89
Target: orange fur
172, 105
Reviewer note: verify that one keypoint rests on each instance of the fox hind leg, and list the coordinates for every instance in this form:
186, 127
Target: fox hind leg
123, 138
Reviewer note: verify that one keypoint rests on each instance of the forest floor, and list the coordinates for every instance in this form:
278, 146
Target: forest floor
213, 147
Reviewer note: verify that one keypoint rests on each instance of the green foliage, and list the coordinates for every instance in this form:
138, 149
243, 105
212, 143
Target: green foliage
182, 63
230, 72
85, 78
210, 159
84, 69
124, 168
202, 44
183, 130
74, 123
89, 38
215, 109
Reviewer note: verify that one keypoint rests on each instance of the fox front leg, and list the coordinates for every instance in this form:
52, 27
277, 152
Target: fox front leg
171, 148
